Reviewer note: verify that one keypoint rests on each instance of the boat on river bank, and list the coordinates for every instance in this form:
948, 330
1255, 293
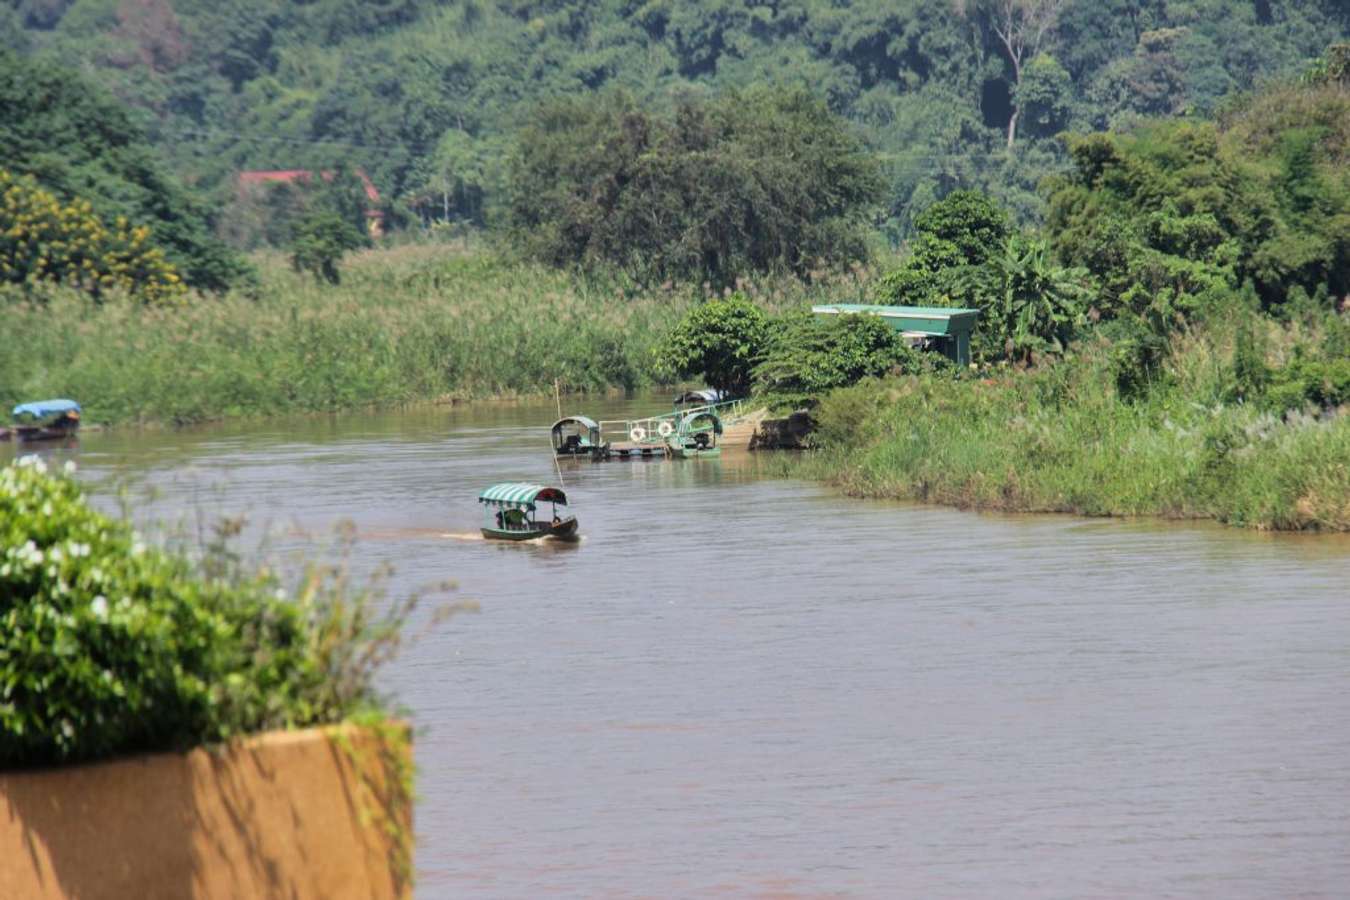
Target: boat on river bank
511, 509
44, 420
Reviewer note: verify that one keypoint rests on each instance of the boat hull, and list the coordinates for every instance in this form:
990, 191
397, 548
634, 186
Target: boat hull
566, 530
32, 433
691, 453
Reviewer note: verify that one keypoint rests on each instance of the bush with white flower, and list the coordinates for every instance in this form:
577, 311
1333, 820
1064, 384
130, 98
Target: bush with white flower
109, 647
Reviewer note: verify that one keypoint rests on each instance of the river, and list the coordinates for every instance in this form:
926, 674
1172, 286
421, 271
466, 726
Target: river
742, 686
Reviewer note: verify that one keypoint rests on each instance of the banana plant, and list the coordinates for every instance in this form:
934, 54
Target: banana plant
1039, 304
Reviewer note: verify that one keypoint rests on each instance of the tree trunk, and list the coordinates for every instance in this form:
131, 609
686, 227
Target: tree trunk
1012, 127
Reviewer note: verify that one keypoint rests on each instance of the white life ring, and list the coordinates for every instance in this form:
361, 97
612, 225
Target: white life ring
664, 429
638, 434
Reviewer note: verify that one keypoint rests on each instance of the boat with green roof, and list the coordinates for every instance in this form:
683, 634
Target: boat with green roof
512, 513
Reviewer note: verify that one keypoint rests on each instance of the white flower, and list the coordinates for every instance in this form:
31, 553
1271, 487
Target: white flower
100, 608
33, 462
69, 467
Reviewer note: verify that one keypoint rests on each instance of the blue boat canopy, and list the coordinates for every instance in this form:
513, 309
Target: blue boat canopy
520, 495
705, 397
43, 409
700, 421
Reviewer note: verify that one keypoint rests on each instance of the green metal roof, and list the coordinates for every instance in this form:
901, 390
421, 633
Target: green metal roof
881, 309
521, 494
922, 319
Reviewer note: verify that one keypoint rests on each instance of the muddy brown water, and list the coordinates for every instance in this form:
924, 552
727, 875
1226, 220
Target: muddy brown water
742, 686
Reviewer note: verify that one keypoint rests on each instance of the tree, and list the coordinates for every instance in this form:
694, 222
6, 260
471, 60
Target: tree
44, 240
720, 342
1023, 28
964, 229
1177, 212
768, 180
321, 240
1043, 97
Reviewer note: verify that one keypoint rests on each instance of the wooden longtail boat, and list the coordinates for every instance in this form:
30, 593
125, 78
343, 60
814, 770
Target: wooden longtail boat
511, 509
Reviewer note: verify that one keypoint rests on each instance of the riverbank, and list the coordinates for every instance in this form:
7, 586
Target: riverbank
411, 324
1061, 440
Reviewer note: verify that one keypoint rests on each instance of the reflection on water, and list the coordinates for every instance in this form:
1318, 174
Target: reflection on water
754, 687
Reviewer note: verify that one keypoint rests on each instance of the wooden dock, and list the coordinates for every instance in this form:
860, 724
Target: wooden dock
629, 450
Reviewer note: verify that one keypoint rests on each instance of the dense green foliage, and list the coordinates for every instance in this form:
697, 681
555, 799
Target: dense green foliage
269, 214
807, 356
110, 647
718, 342
426, 95
1177, 213
81, 144
965, 253
765, 181
42, 241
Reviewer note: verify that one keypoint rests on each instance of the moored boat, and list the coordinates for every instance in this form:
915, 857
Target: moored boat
577, 436
512, 509
44, 420
696, 436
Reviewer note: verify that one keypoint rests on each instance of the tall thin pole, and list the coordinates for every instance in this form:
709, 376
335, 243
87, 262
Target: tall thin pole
557, 395
557, 465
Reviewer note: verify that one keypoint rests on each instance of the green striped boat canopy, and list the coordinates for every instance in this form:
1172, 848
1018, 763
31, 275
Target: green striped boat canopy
521, 495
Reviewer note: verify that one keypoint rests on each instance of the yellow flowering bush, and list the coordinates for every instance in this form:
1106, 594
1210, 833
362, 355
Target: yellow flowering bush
44, 240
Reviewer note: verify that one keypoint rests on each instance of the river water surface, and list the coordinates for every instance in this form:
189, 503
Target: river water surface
740, 686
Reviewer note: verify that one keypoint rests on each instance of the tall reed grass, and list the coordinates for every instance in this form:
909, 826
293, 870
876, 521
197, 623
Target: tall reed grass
409, 324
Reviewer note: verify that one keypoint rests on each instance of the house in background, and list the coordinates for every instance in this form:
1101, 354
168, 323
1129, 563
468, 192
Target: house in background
248, 181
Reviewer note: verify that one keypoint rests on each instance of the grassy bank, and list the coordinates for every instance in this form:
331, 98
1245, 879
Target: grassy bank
409, 324
1062, 440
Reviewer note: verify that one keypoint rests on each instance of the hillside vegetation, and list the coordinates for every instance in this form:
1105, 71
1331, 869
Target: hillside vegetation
428, 97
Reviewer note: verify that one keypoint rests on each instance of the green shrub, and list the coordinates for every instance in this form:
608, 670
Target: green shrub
319, 242
1307, 380
108, 646
809, 355
1136, 354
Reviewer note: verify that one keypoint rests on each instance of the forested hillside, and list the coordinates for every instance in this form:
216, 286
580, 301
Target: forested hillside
427, 97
